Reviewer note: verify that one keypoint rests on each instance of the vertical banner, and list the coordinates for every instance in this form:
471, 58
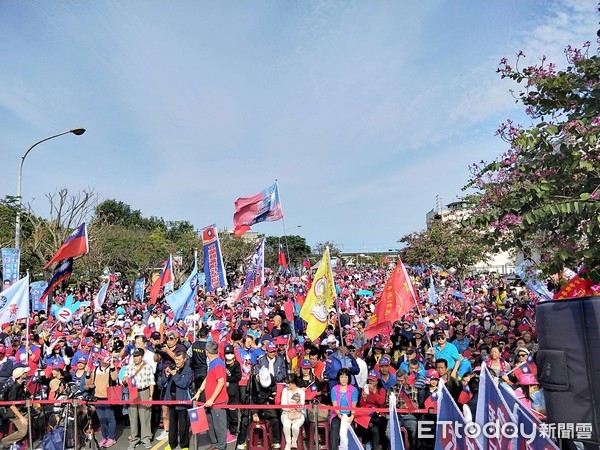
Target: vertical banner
139, 286
214, 270
36, 289
201, 279
255, 272
11, 258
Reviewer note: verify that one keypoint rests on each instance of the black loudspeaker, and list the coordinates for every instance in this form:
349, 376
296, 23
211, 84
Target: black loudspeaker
568, 361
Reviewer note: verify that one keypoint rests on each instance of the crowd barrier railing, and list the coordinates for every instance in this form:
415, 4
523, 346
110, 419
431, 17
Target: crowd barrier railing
315, 407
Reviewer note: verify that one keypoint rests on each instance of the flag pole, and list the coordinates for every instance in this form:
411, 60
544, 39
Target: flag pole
283, 222
27, 327
337, 306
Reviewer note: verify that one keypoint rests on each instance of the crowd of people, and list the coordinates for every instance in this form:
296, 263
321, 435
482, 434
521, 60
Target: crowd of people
254, 351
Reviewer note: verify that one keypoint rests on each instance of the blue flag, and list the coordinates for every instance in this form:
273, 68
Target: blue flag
255, 271
11, 258
450, 431
214, 270
526, 273
530, 425
62, 272
35, 294
491, 408
139, 287
395, 434
432, 295
183, 300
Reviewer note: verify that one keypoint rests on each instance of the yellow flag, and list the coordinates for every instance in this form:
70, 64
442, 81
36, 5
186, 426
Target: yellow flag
319, 299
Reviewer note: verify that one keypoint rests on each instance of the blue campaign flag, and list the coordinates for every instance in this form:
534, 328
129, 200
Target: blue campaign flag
255, 271
526, 273
183, 300
35, 294
395, 434
432, 294
11, 258
139, 287
214, 270
491, 407
62, 272
450, 430
529, 435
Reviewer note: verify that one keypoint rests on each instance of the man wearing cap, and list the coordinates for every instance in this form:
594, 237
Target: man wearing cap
140, 374
446, 350
273, 361
388, 381
338, 360
17, 413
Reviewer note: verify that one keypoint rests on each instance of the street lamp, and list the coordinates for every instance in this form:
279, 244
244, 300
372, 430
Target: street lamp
76, 132
296, 226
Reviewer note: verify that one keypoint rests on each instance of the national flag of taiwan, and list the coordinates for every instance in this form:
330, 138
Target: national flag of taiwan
311, 391
165, 277
133, 389
264, 206
526, 367
62, 272
282, 259
397, 299
198, 422
75, 245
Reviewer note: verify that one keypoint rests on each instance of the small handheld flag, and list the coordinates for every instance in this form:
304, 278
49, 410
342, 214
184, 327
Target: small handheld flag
198, 422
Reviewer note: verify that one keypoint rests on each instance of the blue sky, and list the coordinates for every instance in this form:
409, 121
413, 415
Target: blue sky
363, 110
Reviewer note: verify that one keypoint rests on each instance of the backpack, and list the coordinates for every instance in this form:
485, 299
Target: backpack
5, 412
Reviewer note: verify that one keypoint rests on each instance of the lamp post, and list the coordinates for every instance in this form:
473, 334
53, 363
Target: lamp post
296, 226
76, 132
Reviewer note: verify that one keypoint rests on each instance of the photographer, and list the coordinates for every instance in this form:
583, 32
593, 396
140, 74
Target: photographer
16, 413
97, 383
165, 354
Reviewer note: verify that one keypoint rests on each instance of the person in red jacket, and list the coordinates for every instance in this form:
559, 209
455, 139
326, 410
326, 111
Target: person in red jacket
373, 396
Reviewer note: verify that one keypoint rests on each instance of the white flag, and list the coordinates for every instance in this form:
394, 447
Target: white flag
14, 301
100, 297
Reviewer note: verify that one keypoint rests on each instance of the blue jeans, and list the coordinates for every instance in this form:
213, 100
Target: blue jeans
108, 424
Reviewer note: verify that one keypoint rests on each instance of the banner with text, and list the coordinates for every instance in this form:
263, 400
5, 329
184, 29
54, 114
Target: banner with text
36, 289
11, 258
214, 270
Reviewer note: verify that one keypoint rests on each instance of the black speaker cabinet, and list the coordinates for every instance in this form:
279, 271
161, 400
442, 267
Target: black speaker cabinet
568, 361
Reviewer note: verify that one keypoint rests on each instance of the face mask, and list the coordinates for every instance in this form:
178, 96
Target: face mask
229, 356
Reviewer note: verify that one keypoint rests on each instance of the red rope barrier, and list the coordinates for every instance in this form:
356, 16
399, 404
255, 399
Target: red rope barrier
220, 406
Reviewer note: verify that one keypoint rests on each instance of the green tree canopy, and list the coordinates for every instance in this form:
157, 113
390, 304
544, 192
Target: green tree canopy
448, 243
541, 196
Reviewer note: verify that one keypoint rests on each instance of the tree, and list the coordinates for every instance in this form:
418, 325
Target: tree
334, 249
67, 212
447, 243
295, 248
541, 195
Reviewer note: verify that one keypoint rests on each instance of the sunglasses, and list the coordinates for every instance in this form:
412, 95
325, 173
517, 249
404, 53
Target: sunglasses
441, 339
522, 355
170, 338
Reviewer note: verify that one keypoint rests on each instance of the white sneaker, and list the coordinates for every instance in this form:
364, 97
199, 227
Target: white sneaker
164, 434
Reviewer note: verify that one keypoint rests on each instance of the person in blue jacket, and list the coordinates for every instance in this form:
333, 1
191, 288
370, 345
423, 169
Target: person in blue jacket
338, 360
177, 381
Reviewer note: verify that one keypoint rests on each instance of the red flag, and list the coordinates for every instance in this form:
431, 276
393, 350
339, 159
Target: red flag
75, 245
280, 387
198, 422
397, 299
575, 288
282, 259
165, 277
